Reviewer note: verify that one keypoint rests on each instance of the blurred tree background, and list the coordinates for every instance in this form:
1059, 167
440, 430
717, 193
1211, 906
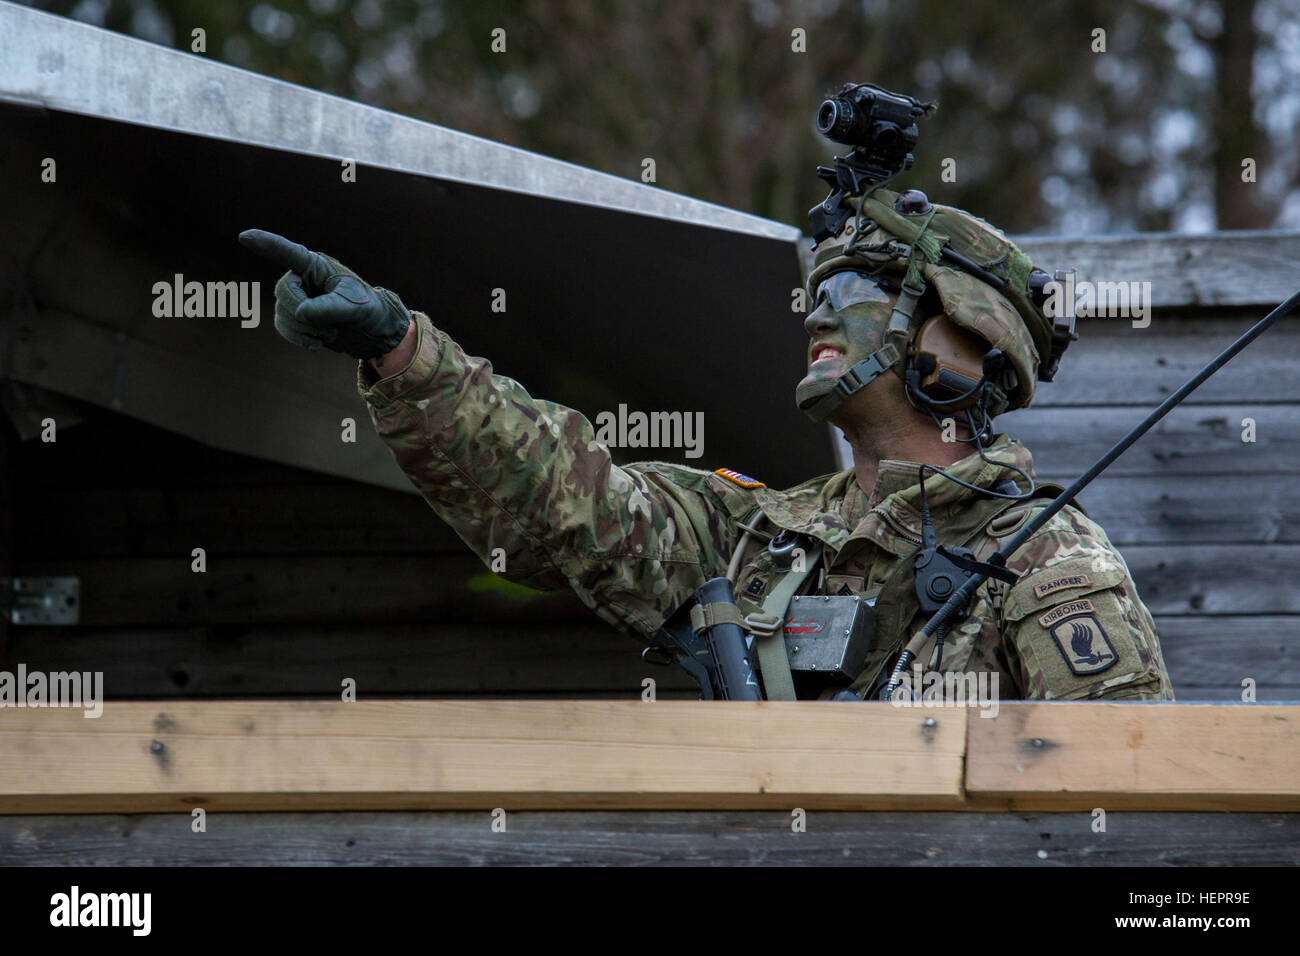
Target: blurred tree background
1049, 135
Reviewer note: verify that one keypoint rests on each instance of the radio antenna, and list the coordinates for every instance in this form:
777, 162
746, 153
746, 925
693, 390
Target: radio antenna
999, 558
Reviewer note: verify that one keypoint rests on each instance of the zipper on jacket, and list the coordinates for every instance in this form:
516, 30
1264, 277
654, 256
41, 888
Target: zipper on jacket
898, 529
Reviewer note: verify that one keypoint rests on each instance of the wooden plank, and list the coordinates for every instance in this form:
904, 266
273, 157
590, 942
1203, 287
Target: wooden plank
1115, 364
1253, 267
1199, 579
157, 756
1193, 440
648, 838
1250, 267
303, 589
582, 659
1205, 578
346, 517
312, 755
1231, 694
1068, 756
1217, 579
1209, 657
1195, 510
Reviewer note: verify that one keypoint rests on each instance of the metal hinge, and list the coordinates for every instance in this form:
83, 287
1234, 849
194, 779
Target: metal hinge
41, 601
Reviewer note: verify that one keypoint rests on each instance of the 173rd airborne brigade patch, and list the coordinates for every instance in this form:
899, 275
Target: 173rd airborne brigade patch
1079, 637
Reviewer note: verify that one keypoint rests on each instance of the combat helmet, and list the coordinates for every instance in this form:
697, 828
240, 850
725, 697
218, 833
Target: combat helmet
989, 335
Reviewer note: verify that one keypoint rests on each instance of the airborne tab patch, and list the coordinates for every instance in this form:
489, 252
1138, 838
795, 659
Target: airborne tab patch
743, 480
1081, 606
1084, 644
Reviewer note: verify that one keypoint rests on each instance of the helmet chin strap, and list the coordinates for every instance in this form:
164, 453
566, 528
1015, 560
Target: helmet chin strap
851, 382
863, 373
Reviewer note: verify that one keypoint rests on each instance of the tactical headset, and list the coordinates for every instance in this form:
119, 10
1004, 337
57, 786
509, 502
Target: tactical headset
949, 369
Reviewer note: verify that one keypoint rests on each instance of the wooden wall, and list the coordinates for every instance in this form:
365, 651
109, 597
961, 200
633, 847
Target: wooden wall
310, 580
313, 579
1206, 521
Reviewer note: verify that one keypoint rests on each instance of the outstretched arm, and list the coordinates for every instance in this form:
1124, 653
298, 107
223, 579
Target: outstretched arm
518, 478
526, 476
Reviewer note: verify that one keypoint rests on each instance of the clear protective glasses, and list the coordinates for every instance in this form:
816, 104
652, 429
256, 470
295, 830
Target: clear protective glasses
843, 289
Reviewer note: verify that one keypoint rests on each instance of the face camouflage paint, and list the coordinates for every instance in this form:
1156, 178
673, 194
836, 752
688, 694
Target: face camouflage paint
846, 326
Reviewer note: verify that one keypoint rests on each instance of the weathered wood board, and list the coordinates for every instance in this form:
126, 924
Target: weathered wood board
154, 756
1247, 267
393, 755
1209, 658
652, 838
1070, 756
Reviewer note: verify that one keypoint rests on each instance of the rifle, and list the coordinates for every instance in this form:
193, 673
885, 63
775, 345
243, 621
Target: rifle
705, 637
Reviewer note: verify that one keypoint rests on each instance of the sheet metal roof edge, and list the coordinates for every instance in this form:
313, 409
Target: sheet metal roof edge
65, 65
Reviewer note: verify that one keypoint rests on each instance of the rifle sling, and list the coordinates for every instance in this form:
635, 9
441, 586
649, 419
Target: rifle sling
768, 628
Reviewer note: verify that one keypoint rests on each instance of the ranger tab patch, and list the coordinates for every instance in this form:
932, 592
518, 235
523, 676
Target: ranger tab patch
1062, 584
1083, 642
743, 480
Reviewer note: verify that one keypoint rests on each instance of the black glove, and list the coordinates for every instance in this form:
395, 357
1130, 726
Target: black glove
320, 301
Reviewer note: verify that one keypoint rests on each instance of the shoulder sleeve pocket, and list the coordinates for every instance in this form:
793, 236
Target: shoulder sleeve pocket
1077, 634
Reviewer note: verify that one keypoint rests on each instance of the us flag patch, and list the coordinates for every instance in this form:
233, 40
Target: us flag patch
743, 480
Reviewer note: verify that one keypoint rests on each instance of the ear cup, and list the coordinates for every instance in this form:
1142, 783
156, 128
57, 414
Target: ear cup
948, 361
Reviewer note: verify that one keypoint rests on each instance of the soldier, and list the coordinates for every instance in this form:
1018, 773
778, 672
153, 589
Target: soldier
909, 355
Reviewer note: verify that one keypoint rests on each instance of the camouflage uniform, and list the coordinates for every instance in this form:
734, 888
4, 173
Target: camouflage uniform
509, 471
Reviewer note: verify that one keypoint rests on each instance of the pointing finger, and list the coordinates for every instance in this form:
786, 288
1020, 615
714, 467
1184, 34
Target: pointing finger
288, 255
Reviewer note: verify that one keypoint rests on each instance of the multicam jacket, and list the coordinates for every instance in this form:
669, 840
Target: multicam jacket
508, 471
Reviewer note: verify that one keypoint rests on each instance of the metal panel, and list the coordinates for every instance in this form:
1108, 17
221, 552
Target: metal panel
41, 601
